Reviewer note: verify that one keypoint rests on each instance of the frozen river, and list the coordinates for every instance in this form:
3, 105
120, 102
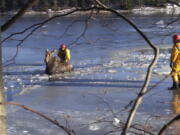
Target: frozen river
110, 61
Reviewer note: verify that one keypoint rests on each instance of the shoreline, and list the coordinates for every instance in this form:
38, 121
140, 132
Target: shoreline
169, 10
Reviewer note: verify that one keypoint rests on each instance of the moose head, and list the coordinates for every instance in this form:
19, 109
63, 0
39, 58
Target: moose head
49, 55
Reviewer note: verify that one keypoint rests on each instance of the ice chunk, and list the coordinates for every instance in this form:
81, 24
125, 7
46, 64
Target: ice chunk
160, 22
93, 127
43, 77
31, 81
167, 111
25, 132
44, 26
18, 80
12, 86
116, 121
112, 71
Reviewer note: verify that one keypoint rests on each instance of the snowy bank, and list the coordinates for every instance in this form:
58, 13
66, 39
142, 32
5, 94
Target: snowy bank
169, 9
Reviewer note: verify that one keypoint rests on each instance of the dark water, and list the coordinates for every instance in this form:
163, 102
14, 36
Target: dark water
110, 61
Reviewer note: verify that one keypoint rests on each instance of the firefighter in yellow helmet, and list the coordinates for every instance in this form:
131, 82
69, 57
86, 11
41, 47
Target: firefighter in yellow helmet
175, 62
64, 54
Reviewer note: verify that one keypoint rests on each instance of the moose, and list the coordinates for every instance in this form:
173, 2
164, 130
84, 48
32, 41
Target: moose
54, 65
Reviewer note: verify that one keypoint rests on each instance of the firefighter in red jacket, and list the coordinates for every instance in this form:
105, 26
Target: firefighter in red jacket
175, 62
64, 54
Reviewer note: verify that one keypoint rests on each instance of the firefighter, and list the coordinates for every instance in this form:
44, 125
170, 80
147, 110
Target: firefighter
175, 62
64, 54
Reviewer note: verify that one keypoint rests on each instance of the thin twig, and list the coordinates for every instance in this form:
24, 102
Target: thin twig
168, 124
11, 21
149, 70
55, 122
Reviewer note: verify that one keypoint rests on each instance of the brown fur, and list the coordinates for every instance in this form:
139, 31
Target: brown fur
54, 65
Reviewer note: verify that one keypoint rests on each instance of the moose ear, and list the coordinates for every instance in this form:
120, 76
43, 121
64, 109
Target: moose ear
47, 50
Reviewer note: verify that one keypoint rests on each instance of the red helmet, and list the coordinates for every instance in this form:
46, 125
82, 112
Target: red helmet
176, 38
62, 46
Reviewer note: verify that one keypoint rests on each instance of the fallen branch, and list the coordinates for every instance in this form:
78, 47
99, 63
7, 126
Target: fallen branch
149, 70
55, 122
168, 124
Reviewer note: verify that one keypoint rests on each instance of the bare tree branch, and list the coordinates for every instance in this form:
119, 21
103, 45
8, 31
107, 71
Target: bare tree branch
150, 68
84, 30
55, 122
70, 11
18, 33
19, 44
35, 27
158, 83
168, 124
173, 2
142, 92
149, 71
5, 26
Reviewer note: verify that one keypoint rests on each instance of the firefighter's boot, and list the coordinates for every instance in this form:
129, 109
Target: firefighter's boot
175, 86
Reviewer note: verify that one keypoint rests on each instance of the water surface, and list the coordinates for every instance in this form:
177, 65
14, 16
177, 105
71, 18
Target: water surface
110, 61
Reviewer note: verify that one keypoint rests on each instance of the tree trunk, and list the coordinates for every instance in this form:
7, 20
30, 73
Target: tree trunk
2, 107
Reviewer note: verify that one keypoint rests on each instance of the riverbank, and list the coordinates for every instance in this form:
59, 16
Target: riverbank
169, 9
